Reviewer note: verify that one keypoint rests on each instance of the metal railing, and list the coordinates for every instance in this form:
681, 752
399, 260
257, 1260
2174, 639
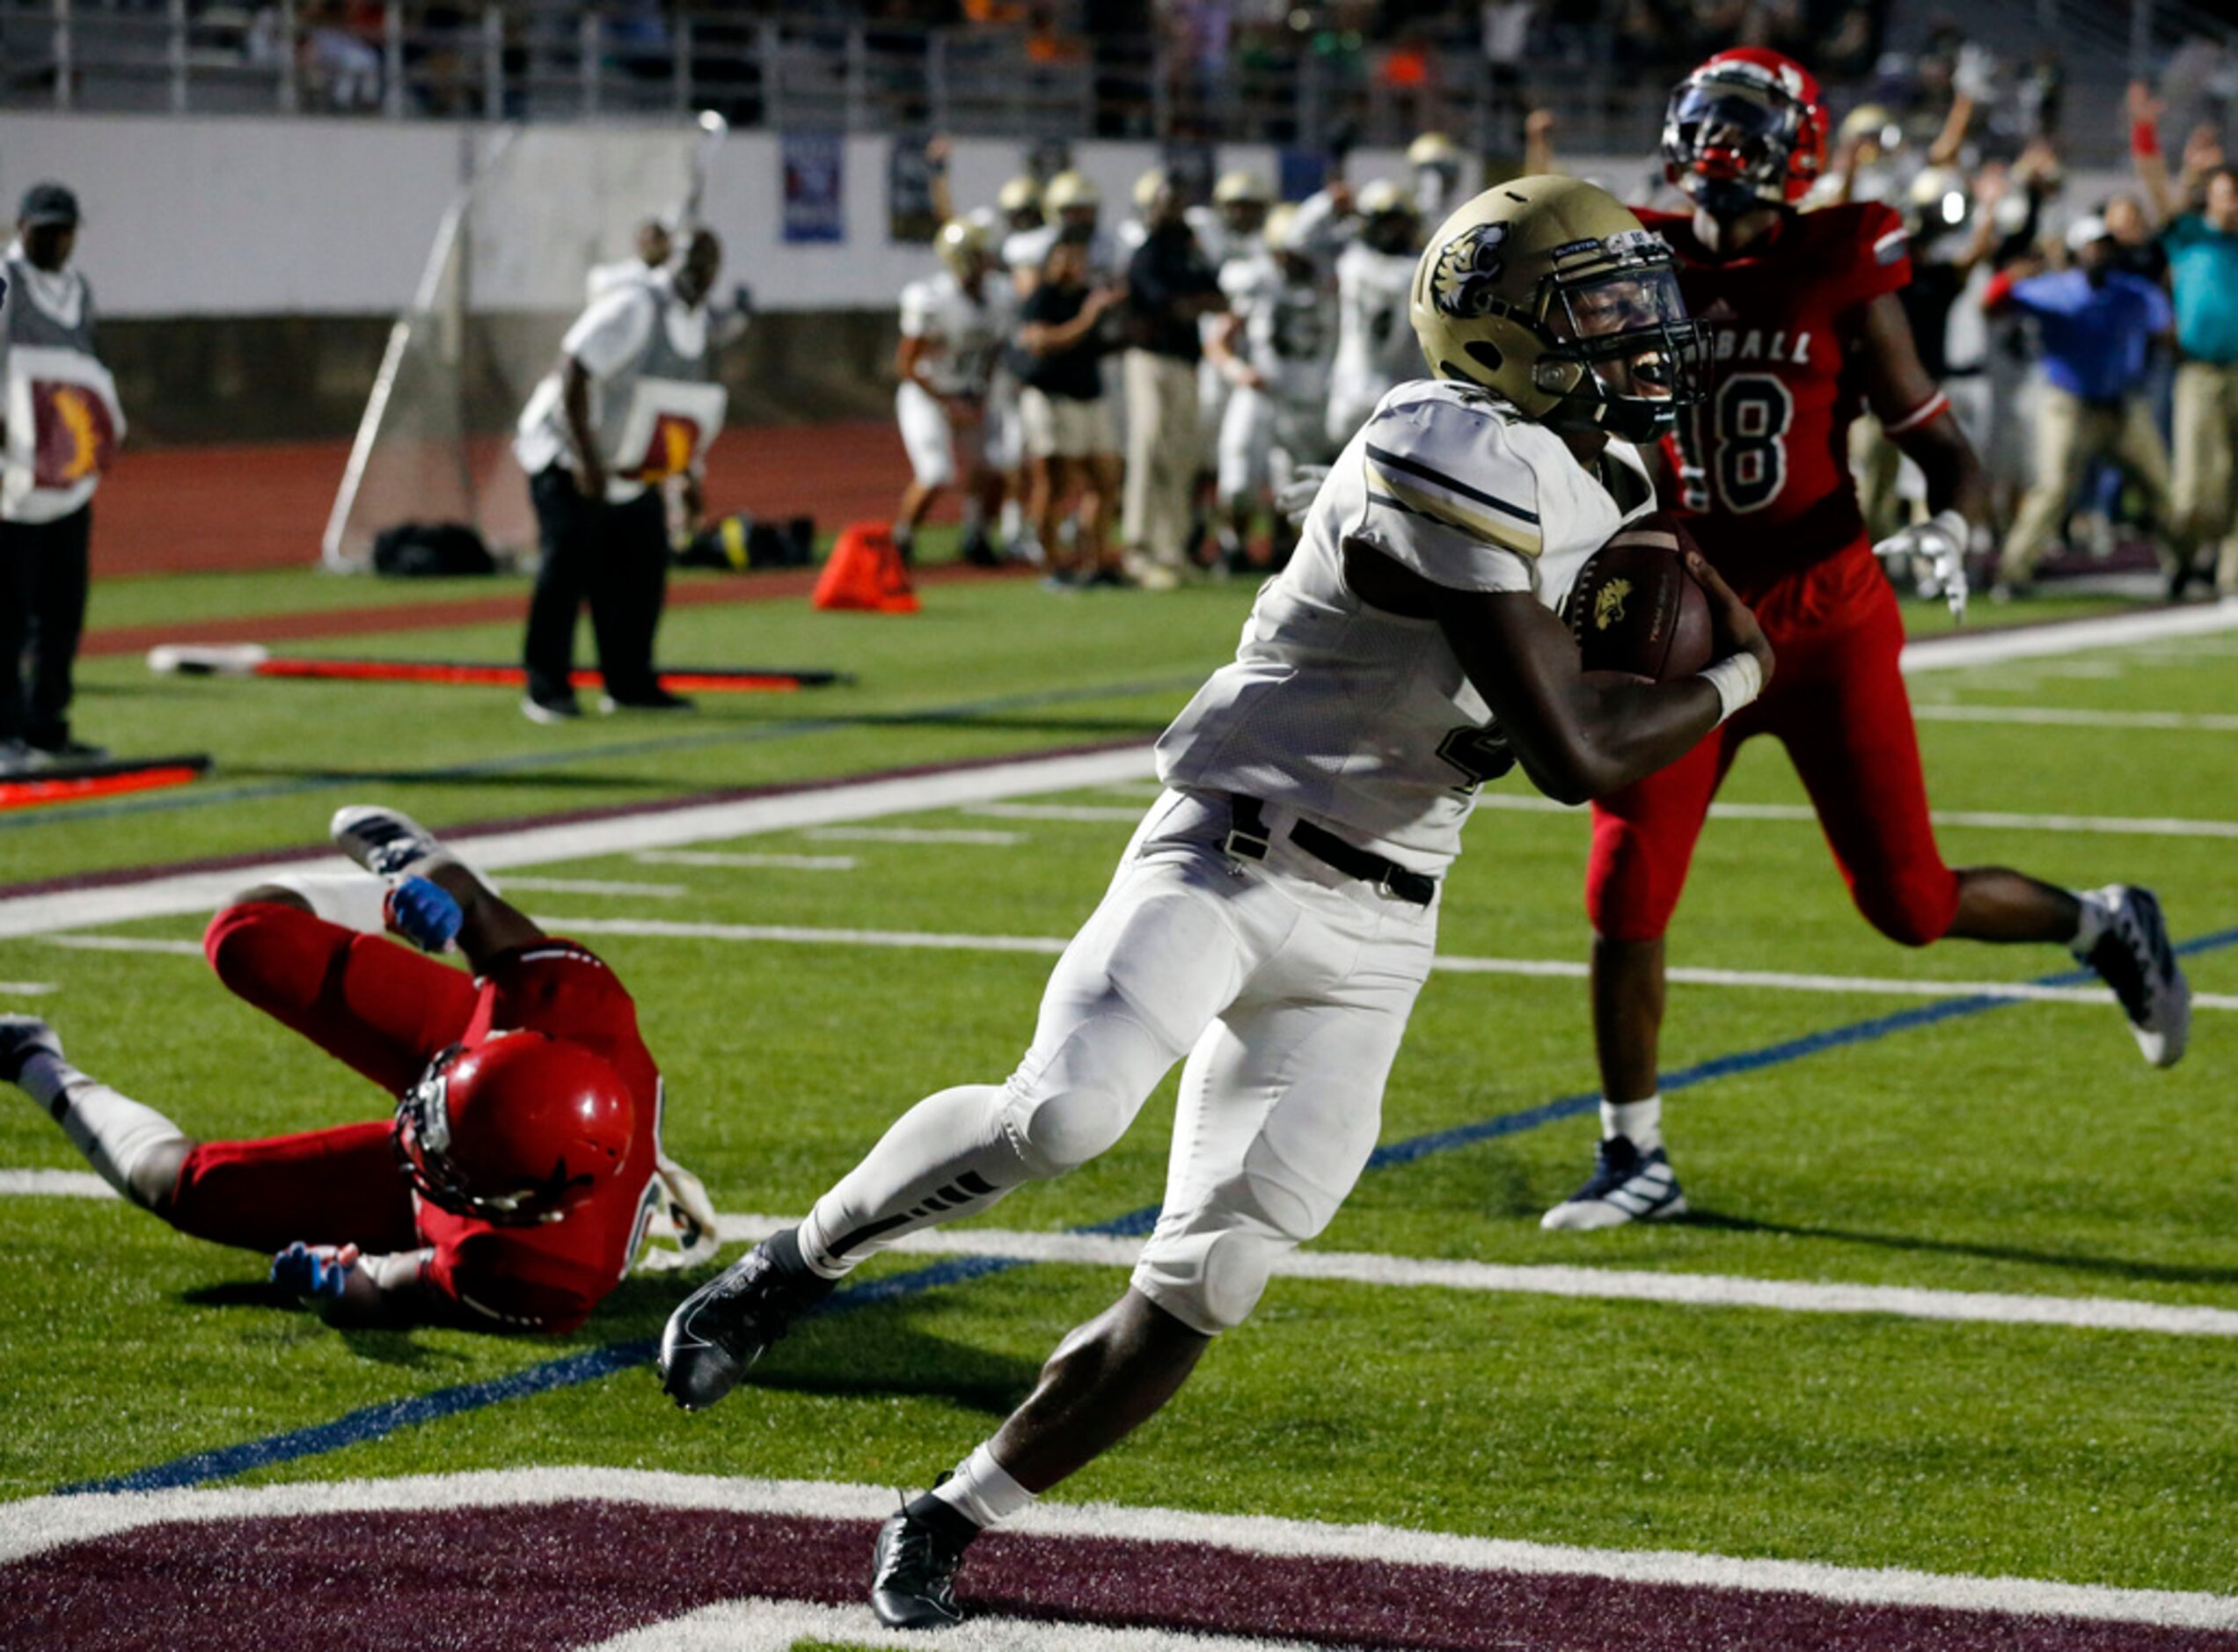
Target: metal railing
542, 60
531, 62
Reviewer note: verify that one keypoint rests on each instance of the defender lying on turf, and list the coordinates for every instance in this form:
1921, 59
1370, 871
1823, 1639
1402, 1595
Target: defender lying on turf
513, 1189
1275, 914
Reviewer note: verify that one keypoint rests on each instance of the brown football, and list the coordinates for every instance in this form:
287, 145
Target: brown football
1637, 609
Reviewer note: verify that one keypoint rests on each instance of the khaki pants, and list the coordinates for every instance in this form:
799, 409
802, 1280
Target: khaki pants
1162, 453
2206, 461
2071, 435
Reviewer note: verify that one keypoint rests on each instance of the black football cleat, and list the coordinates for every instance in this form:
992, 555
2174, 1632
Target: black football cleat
2134, 958
913, 1568
717, 1331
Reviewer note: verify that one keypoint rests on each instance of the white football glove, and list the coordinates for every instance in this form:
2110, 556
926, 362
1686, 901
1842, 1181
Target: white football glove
1939, 544
1296, 496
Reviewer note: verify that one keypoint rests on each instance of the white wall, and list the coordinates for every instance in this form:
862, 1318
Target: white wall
221, 216
216, 216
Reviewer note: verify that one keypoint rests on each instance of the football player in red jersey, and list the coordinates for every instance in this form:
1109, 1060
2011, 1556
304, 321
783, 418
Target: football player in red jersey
1805, 324
514, 1187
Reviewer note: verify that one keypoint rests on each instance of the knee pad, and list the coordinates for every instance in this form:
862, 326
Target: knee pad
1630, 893
1913, 906
1210, 1268
1060, 1111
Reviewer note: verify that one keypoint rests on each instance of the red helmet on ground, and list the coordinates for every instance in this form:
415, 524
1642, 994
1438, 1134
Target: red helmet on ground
516, 1130
1747, 129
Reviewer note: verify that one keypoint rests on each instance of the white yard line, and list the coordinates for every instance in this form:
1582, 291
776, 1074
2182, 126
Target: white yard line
53, 1184
743, 862
1087, 812
1961, 650
599, 886
1562, 968
1050, 945
128, 943
1997, 820
35, 1524
27, 989
919, 835
2070, 717
1614, 1284
173, 894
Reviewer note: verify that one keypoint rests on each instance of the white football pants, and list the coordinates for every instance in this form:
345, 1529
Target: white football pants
938, 449
1288, 987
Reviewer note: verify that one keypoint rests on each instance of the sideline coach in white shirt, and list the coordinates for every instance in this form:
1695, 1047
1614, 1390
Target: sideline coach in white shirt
632, 402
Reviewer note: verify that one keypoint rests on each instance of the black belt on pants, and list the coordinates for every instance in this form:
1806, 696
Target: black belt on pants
1249, 839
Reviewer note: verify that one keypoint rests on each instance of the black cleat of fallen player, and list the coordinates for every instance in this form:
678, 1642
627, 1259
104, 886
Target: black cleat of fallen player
913, 1566
717, 1331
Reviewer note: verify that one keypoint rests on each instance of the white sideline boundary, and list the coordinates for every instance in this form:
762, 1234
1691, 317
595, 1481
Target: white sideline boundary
1993, 820
198, 892
38, 1524
601, 885
850, 804
27, 989
1363, 1268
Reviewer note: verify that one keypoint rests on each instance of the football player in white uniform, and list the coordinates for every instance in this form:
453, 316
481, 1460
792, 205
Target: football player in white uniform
1374, 349
953, 327
1073, 206
1275, 914
1437, 162
1274, 347
1232, 232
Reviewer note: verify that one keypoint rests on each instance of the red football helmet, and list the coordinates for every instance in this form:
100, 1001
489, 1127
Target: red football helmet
516, 1130
1747, 129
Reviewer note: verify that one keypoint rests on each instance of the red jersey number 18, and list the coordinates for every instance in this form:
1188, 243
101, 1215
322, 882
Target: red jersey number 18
1733, 453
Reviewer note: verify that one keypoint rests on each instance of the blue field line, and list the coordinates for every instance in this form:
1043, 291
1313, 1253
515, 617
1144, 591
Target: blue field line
373, 1422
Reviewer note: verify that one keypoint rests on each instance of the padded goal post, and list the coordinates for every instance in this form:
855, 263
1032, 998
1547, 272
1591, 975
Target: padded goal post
504, 279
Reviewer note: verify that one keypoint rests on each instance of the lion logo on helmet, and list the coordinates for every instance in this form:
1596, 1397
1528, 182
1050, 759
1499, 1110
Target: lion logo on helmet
1467, 283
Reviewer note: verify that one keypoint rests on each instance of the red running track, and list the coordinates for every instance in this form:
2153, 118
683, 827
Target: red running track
203, 509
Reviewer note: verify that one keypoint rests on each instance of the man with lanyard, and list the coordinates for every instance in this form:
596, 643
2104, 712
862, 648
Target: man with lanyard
632, 402
59, 423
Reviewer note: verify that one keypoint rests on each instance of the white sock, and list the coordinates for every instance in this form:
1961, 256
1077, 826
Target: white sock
1012, 518
1639, 1122
982, 1491
946, 1156
2097, 912
352, 899
116, 1134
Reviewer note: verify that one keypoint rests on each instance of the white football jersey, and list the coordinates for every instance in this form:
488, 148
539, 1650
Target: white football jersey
963, 335
1289, 328
1362, 719
1375, 340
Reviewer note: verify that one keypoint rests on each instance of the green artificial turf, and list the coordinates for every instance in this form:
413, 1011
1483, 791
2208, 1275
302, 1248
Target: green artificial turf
2025, 1149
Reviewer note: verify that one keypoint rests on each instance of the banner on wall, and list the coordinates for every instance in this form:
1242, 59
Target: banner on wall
814, 165
1303, 171
910, 216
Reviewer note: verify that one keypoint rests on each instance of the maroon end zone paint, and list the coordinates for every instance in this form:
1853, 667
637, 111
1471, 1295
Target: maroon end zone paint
564, 1574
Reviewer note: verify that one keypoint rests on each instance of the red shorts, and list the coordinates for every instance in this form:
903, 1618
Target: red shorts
1837, 702
365, 1001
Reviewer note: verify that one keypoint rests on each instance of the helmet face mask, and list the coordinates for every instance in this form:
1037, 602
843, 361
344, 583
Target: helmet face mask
1644, 356
1745, 131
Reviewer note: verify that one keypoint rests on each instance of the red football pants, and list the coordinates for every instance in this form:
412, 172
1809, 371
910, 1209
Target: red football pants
365, 1001
1837, 702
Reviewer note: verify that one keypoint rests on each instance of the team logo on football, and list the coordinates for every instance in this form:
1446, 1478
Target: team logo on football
1466, 284
1608, 604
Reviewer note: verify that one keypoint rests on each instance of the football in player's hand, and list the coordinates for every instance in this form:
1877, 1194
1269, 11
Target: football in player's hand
1637, 609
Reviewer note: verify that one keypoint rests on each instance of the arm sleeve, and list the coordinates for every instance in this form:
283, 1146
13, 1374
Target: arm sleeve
917, 313
606, 335
1883, 256
1448, 498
